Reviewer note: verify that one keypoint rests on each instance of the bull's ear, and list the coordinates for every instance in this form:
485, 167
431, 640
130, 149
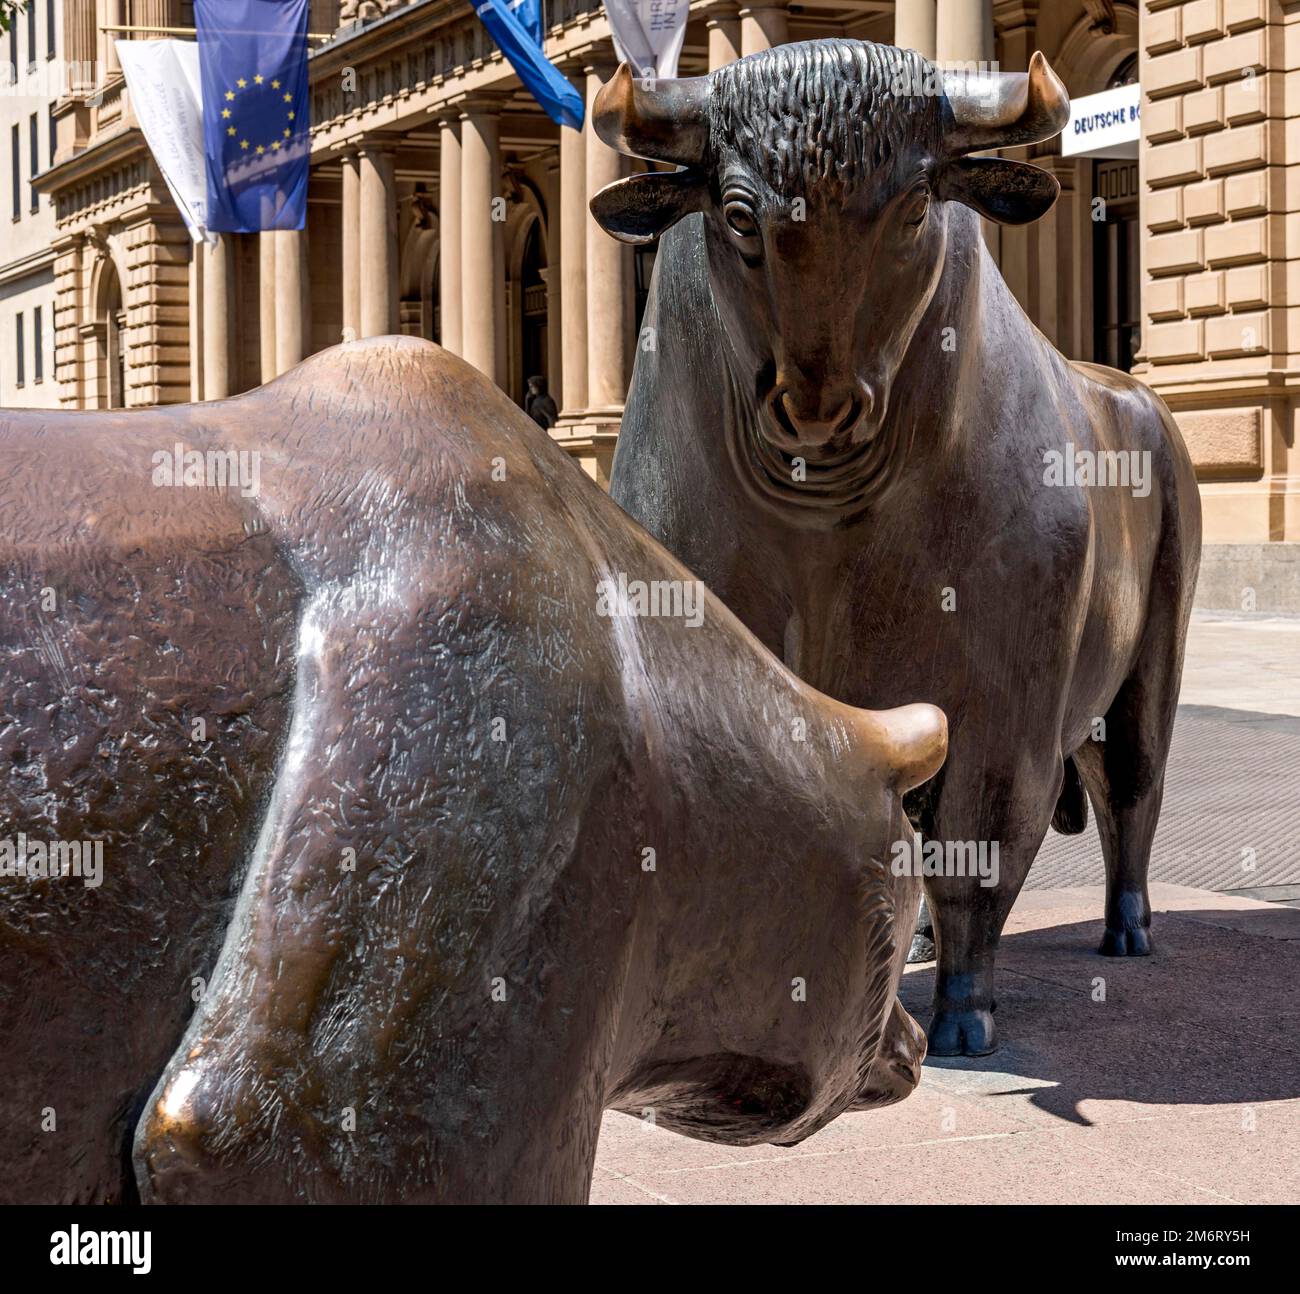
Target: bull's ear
640, 208
1012, 193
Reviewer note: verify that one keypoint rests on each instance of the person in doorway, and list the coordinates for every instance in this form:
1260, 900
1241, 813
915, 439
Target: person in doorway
539, 406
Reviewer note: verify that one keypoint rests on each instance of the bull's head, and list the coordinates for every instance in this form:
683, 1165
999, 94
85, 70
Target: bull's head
824, 172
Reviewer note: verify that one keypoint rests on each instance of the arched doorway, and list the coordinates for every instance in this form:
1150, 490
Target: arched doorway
420, 310
110, 337
532, 293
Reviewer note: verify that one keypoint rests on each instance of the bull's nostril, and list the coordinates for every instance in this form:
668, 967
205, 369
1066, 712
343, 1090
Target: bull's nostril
847, 416
810, 429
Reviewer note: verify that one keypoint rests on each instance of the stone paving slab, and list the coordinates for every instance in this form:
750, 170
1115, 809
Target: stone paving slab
1243, 662
1231, 816
1182, 1086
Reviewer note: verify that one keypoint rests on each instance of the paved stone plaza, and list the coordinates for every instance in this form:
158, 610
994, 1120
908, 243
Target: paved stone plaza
1181, 1086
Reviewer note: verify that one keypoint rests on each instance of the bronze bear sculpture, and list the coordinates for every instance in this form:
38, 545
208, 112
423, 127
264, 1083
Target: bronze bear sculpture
850, 429
453, 843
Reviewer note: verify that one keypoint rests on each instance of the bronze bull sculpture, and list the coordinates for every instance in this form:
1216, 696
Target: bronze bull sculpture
850, 429
490, 848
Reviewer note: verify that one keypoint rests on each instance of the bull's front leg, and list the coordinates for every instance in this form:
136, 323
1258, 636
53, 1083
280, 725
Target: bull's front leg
414, 1002
1002, 821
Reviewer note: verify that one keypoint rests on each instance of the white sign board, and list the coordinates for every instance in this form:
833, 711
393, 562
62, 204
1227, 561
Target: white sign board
648, 34
162, 78
1108, 124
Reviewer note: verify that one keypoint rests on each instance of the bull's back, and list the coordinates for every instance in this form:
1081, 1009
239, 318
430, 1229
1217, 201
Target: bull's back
145, 666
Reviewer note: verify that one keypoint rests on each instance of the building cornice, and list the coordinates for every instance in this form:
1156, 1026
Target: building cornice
26, 266
103, 154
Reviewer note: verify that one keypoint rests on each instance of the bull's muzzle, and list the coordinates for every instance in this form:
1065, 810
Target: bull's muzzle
820, 420
897, 1067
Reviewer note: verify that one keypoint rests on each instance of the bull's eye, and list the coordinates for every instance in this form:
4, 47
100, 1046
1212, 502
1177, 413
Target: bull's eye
740, 218
918, 207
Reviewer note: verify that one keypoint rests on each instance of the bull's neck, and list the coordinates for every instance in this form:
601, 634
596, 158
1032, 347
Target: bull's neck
949, 344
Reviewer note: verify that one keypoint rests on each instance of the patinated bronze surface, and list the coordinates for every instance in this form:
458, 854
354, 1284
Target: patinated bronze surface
490, 853
850, 429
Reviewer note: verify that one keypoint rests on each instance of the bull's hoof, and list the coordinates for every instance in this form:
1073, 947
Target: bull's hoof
922, 949
962, 1033
1126, 943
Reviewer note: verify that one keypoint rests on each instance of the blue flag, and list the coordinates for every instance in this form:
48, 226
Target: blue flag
511, 24
256, 119
529, 15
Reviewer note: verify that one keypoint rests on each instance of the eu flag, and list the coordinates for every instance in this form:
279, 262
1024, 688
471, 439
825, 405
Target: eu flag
256, 123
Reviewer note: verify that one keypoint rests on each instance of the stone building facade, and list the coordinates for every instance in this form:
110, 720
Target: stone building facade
29, 82
445, 204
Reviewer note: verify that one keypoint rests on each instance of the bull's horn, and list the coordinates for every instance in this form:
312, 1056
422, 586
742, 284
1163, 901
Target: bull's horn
667, 124
910, 742
1005, 109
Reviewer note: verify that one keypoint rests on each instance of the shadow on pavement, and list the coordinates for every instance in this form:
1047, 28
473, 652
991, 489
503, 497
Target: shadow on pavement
1211, 1019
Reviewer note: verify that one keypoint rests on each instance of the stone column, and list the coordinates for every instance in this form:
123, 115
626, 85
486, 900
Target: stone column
155, 13
723, 22
610, 285
218, 304
965, 36
551, 277
915, 26
964, 31
69, 308
572, 397
80, 40
378, 239
293, 302
351, 246
193, 319
450, 249
114, 16
762, 27
266, 294
482, 238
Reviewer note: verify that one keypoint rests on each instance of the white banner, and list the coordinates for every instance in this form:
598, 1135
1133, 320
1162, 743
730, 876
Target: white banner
648, 34
1107, 124
162, 77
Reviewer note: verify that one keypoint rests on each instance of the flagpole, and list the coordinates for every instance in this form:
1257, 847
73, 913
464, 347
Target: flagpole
191, 31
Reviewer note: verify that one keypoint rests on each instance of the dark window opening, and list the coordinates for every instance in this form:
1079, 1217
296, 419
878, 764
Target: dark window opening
1125, 74
1117, 299
17, 175
34, 148
38, 348
533, 287
20, 356
645, 264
